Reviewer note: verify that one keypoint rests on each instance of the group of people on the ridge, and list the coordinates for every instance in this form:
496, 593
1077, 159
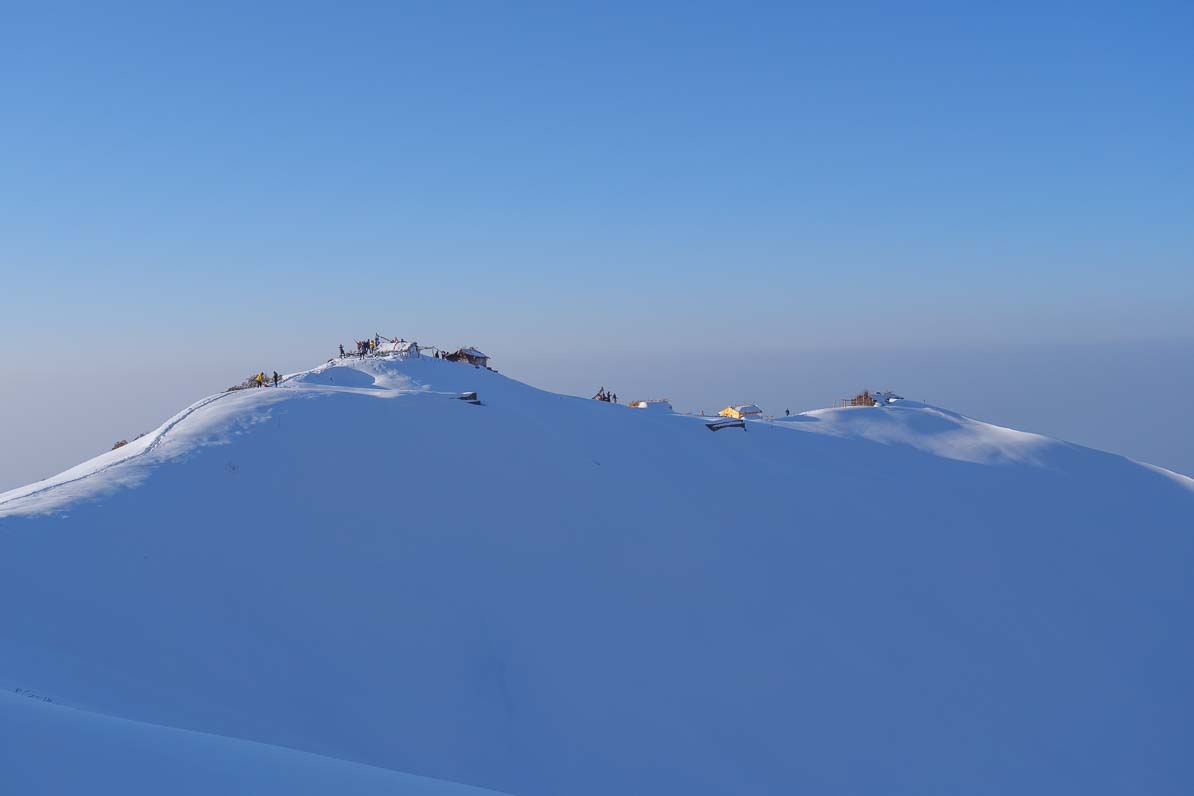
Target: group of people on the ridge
608, 397
366, 347
261, 380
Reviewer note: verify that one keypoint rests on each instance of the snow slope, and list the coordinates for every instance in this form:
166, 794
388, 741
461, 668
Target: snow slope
548, 594
934, 430
51, 749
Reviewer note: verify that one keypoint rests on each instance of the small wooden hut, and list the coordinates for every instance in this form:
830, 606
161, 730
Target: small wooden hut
741, 411
469, 355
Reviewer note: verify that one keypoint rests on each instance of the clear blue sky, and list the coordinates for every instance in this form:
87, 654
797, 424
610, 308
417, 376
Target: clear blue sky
230, 186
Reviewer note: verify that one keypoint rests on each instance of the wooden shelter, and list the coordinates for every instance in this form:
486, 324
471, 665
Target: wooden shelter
469, 355
741, 411
868, 398
863, 398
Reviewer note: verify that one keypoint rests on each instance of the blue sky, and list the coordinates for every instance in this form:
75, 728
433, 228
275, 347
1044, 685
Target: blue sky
227, 186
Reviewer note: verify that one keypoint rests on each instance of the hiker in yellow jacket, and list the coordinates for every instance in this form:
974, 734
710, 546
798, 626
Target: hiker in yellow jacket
260, 379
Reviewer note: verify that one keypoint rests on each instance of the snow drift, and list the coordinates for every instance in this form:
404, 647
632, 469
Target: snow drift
546, 595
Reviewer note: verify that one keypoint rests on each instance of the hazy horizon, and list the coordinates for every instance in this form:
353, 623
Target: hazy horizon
1125, 398
987, 210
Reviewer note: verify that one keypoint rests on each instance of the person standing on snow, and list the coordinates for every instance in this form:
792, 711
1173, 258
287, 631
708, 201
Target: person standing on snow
275, 378
342, 350
260, 378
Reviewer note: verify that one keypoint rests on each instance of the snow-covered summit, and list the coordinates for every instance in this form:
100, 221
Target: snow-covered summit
219, 418
545, 594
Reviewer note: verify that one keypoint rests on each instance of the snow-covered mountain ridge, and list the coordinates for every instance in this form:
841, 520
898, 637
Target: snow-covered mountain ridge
546, 594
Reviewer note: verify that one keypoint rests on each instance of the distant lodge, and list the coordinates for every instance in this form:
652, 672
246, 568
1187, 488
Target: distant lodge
654, 404
470, 355
411, 349
863, 398
868, 398
742, 412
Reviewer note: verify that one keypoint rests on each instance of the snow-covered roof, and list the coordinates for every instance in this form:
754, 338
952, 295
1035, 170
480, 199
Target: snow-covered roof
472, 352
747, 409
652, 403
